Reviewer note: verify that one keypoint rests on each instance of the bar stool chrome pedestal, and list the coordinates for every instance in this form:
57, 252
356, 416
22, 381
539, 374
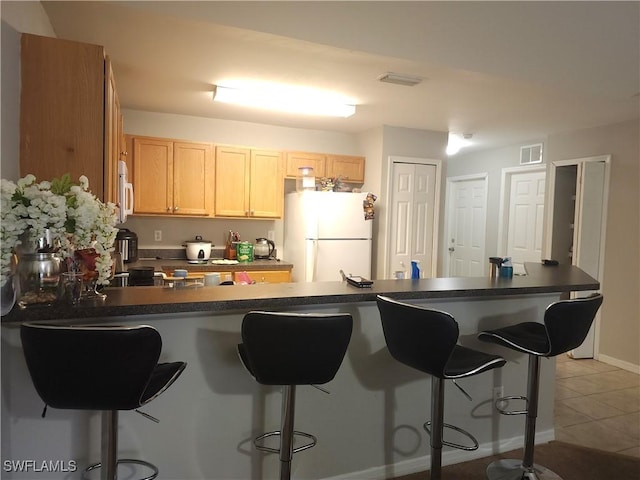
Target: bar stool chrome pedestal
426, 340
566, 324
290, 349
107, 368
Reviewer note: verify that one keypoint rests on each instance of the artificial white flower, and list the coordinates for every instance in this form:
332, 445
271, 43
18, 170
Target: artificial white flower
71, 214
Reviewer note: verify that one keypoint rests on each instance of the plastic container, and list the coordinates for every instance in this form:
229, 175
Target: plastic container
415, 270
306, 180
506, 270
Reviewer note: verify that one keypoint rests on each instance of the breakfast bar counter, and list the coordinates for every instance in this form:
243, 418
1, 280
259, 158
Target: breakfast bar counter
163, 300
369, 427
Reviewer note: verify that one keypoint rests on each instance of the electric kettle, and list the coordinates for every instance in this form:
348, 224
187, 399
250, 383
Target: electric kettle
263, 248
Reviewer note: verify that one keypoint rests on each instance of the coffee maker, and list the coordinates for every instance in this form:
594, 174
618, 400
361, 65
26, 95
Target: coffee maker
127, 245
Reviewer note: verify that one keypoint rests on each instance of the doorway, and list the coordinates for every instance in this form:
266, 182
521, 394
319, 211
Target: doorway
413, 194
576, 223
520, 232
466, 225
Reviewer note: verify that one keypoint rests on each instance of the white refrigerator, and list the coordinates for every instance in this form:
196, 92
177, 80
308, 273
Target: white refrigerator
325, 232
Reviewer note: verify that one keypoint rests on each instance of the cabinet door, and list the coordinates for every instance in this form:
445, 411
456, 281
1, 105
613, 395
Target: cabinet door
112, 125
192, 179
232, 181
62, 102
295, 160
153, 176
266, 195
269, 276
348, 168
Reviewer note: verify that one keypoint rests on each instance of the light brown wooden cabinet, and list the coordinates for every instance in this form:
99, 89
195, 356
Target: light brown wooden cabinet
349, 168
68, 104
249, 183
268, 276
296, 160
172, 177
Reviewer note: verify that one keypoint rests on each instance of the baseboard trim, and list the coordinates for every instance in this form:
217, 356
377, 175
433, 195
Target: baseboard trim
619, 363
449, 457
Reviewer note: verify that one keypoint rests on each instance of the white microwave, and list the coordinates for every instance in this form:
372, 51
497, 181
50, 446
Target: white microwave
125, 193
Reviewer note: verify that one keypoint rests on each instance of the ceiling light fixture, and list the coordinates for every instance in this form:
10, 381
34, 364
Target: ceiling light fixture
400, 79
286, 99
457, 141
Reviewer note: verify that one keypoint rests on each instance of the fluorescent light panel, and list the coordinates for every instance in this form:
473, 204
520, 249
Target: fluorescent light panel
285, 99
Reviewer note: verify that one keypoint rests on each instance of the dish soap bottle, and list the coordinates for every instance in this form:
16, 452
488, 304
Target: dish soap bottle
415, 271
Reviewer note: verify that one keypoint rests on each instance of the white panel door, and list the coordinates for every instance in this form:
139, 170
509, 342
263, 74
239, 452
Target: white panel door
412, 217
526, 218
467, 226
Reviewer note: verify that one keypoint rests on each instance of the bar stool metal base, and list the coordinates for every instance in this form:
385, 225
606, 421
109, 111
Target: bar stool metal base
515, 470
264, 448
152, 476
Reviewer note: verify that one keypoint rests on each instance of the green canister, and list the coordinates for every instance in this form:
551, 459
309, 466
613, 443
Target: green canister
245, 252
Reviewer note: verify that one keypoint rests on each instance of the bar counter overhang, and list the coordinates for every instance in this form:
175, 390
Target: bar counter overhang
370, 425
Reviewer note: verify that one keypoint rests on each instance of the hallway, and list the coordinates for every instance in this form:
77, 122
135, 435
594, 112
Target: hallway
597, 405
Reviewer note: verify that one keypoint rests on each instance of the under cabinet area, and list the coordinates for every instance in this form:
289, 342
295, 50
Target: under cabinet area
249, 183
349, 168
70, 119
172, 177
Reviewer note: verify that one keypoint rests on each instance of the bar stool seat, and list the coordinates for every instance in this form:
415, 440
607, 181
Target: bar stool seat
566, 325
106, 368
426, 339
290, 349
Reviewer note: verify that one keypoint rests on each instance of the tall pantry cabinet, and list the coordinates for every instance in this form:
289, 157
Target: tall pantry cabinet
70, 118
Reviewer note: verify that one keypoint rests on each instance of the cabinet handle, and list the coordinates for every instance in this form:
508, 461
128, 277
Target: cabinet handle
175, 209
252, 213
124, 153
168, 209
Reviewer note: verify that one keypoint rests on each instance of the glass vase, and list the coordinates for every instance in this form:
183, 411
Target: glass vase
90, 291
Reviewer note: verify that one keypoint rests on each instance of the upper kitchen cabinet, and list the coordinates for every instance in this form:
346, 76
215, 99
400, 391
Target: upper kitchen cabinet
172, 177
69, 113
296, 160
249, 183
349, 168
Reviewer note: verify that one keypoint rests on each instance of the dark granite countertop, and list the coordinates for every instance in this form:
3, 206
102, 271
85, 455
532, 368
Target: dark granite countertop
159, 300
170, 264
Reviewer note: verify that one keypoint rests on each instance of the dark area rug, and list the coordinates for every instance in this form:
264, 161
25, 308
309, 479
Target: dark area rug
571, 462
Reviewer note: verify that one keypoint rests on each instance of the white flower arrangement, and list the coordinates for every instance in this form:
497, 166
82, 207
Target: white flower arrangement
71, 215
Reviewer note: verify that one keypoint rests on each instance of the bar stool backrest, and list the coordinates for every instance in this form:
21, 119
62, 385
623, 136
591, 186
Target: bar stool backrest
295, 348
90, 367
422, 338
568, 322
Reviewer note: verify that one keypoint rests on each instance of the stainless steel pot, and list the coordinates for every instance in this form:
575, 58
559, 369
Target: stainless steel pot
198, 249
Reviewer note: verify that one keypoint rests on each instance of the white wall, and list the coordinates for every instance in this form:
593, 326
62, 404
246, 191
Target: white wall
620, 325
491, 162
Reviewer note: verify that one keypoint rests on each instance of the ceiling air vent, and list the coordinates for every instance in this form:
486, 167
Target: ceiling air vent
398, 79
530, 154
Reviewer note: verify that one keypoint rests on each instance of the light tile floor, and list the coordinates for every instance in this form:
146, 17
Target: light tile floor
597, 405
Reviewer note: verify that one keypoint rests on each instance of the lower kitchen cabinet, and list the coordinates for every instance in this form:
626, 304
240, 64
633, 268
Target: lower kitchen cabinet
268, 276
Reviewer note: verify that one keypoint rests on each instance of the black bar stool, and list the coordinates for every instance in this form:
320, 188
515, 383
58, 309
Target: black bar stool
566, 324
290, 349
426, 340
108, 368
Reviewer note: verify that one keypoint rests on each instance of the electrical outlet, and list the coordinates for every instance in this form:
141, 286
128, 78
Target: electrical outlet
157, 235
498, 392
